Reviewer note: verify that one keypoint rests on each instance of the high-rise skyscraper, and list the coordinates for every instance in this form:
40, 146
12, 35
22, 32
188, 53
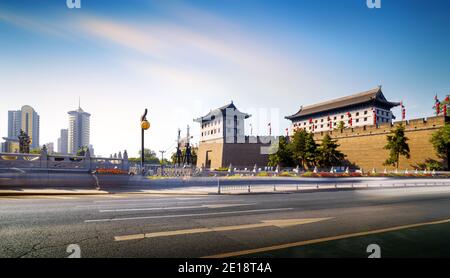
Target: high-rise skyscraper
27, 120
50, 147
79, 130
14, 123
63, 147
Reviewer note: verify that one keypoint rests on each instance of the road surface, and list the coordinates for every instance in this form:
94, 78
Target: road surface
317, 224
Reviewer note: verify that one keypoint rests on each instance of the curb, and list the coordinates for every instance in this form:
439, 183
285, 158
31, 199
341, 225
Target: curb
98, 193
48, 193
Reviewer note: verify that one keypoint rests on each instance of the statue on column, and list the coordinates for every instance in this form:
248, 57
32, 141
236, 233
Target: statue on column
24, 142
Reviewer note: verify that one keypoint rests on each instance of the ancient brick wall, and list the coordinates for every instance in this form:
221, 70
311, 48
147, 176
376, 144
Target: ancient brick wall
364, 146
244, 155
212, 151
241, 155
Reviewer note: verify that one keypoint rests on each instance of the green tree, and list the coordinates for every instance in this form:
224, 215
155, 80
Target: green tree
82, 151
340, 125
149, 157
35, 151
183, 153
304, 149
441, 143
328, 154
283, 156
397, 146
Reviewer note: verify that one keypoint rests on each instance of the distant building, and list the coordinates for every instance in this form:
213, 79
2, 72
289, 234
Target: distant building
27, 120
14, 123
79, 130
223, 123
63, 142
10, 145
50, 147
223, 141
362, 109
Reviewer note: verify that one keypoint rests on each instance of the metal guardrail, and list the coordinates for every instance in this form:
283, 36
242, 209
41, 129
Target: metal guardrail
54, 161
224, 189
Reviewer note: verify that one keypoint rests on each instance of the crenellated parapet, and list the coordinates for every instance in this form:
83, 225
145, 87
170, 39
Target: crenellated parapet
430, 123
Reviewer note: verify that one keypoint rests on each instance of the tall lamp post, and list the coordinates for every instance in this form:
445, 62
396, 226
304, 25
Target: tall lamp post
144, 126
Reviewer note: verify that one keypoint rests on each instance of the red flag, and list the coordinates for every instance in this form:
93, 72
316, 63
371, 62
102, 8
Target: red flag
403, 111
437, 104
445, 110
374, 116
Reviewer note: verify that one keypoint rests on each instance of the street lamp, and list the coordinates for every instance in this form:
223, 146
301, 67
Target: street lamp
145, 125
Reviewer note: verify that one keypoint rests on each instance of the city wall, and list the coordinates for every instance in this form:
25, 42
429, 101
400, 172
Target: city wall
253, 150
364, 146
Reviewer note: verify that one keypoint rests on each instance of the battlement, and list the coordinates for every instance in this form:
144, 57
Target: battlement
263, 140
410, 125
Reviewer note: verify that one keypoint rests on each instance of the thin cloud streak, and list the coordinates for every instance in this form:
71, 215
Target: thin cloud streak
179, 47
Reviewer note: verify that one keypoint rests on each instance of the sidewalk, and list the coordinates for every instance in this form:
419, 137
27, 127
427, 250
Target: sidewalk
52, 191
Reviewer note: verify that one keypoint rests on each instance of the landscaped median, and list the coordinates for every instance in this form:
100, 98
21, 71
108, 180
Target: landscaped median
335, 175
111, 177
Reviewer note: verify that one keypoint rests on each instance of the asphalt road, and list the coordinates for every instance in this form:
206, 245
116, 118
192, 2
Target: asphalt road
122, 225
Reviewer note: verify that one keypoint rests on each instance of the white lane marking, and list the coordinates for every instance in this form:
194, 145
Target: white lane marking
149, 202
59, 197
280, 223
40, 197
147, 199
109, 196
173, 208
184, 215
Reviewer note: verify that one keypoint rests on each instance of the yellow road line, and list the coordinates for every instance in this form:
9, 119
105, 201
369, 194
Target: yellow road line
52, 197
319, 240
280, 223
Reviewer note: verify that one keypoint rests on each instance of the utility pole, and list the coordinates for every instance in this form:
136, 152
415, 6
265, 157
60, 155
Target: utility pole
162, 161
179, 154
145, 125
188, 157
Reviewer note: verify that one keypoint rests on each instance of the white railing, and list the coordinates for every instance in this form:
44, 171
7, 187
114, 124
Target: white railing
50, 161
249, 188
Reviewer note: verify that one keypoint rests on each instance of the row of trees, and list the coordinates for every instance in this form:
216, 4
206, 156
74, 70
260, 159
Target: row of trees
151, 157
303, 151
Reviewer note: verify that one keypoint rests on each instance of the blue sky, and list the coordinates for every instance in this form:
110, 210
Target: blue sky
182, 58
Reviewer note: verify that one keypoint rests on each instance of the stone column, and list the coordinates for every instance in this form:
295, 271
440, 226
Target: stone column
125, 162
44, 157
87, 160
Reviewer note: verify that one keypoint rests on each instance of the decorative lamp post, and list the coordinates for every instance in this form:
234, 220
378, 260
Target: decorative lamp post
145, 125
